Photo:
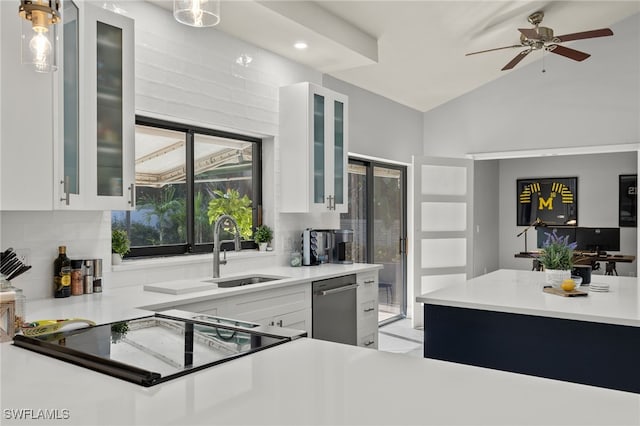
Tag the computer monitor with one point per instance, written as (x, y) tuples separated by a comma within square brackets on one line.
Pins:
[(598, 239), (561, 231)]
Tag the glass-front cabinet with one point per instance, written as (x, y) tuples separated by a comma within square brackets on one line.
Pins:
[(95, 152), (313, 149)]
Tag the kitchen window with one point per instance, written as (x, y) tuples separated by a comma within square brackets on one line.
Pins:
[(186, 177)]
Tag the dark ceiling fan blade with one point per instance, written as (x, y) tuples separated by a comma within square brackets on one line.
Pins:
[(491, 50), (517, 59), (603, 32), (576, 55), (529, 33)]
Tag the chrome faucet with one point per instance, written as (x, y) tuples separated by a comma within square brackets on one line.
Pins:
[(216, 242)]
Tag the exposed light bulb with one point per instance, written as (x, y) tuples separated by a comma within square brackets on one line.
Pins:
[(197, 13), (40, 47)]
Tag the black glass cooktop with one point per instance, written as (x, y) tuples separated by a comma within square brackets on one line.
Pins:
[(156, 348)]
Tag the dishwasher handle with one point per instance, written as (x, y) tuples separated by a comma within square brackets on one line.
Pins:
[(337, 290)]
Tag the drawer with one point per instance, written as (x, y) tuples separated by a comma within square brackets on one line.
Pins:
[(367, 285), (369, 340), (367, 312)]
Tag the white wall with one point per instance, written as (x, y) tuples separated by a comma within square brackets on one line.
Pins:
[(597, 199), (379, 127), (486, 241), (594, 102)]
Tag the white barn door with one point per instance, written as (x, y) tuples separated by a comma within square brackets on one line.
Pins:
[(443, 225)]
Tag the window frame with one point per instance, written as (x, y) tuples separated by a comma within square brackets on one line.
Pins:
[(190, 247)]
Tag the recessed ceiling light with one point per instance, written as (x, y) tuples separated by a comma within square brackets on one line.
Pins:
[(300, 45), (244, 60)]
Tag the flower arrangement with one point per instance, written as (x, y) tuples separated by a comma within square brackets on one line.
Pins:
[(557, 252)]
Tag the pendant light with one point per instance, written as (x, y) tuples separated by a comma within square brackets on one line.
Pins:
[(39, 37), (197, 13)]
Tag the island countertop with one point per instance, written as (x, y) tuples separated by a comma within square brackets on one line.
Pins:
[(520, 292)]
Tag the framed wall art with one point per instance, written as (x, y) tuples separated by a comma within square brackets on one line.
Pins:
[(627, 200), (552, 200)]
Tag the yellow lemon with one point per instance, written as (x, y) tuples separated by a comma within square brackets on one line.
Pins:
[(568, 284)]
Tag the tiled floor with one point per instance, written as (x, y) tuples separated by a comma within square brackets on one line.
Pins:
[(400, 337)]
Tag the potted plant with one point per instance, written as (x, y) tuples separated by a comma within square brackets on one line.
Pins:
[(263, 236), (119, 245), (557, 258)]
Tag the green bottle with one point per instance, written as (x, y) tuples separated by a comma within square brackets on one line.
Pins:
[(62, 274)]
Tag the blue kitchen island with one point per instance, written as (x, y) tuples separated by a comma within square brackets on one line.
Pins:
[(504, 321)]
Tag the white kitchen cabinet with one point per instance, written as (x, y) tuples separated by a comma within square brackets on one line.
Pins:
[(94, 144), (288, 307), (367, 305), (82, 115), (215, 307), (313, 149), (26, 170)]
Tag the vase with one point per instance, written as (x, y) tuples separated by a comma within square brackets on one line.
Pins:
[(116, 259), (554, 277), (263, 246)]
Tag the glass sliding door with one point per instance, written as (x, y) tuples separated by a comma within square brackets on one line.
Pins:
[(377, 214)]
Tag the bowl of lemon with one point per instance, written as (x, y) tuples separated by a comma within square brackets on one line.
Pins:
[(570, 284)]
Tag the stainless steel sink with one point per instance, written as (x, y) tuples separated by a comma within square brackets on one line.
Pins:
[(240, 281)]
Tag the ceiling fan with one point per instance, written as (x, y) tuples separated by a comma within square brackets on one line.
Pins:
[(538, 38)]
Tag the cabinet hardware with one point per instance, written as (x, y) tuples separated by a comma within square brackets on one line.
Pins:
[(279, 323), (369, 343), (271, 323), (67, 195), (132, 195), (331, 201), (370, 281), (370, 309), (338, 290)]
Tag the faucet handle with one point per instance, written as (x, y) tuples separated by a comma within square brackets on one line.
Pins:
[(224, 257)]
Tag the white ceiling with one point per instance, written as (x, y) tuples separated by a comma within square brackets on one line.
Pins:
[(412, 52)]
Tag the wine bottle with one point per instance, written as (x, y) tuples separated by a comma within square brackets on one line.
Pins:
[(62, 274)]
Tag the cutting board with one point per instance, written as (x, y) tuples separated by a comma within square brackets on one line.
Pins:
[(560, 292)]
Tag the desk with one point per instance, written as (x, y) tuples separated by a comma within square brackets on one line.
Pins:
[(581, 258)]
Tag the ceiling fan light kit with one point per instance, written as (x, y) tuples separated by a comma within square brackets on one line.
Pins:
[(539, 38)]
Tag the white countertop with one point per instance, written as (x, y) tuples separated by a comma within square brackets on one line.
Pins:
[(121, 303), (521, 292), (307, 382), (302, 382)]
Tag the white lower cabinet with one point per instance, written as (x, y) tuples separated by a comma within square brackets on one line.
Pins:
[(288, 307), (367, 305)]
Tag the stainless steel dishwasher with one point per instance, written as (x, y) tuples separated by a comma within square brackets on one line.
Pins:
[(334, 310)]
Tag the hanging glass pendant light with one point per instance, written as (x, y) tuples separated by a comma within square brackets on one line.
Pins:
[(39, 37), (197, 13)]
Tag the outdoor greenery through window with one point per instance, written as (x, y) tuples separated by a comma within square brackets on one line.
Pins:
[(186, 177)]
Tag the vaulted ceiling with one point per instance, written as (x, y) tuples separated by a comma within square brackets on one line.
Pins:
[(412, 52)]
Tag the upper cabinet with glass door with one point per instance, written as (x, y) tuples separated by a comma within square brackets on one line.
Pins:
[(95, 149), (313, 149)]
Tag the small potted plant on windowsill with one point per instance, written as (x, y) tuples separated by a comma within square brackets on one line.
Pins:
[(263, 236), (119, 245)]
